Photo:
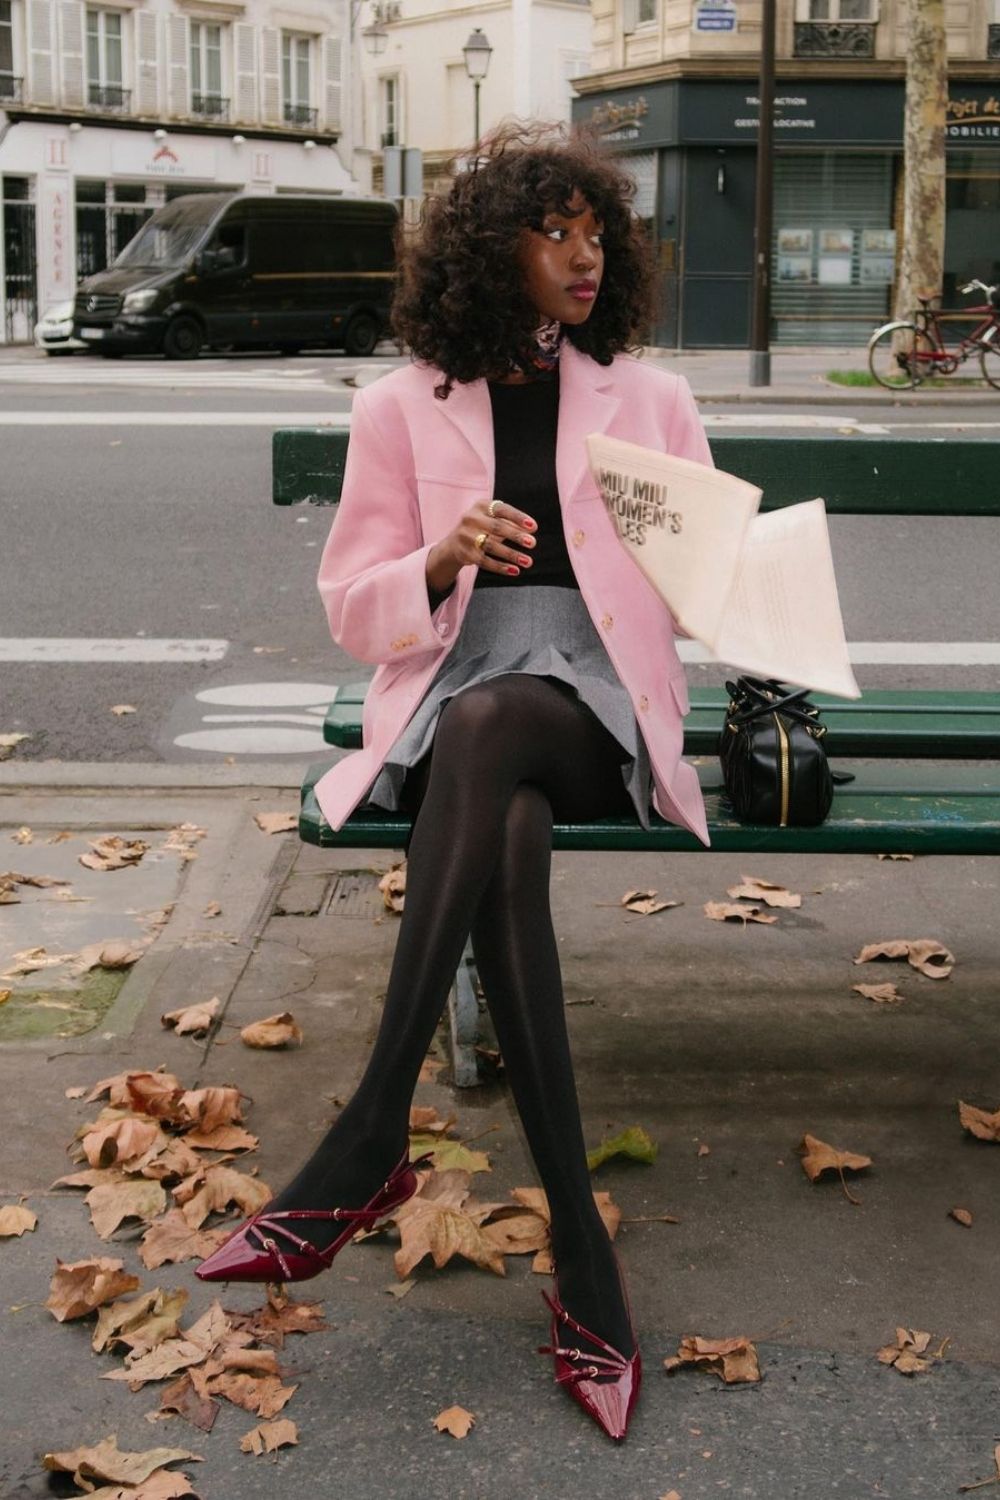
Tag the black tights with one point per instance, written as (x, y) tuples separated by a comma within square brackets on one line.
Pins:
[(508, 756)]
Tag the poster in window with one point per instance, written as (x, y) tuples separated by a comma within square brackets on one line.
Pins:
[(878, 256), (836, 249), (795, 241)]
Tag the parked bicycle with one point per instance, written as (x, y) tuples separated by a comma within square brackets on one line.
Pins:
[(902, 354)]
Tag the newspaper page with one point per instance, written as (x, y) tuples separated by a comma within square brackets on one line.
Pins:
[(758, 590)]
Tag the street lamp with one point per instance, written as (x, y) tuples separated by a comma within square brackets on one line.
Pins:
[(477, 53), (375, 38)]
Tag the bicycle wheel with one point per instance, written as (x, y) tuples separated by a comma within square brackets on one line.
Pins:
[(900, 356), (989, 363)]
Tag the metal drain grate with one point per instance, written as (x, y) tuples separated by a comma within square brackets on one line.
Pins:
[(356, 894)]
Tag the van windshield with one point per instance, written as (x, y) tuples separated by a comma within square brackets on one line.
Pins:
[(161, 245)]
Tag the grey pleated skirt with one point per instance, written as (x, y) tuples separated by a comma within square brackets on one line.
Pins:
[(546, 632)]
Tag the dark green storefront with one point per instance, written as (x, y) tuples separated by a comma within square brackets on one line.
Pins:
[(837, 201)]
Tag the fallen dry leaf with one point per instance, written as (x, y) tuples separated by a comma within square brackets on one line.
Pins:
[(926, 955), (818, 1157), (16, 1219), (121, 1140), (448, 1154), (277, 822), (906, 1354), (31, 960), (456, 1420), (106, 1463), (535, 1199), (264, 1395), (181, 840), (77, 1091), (222, 1138), (144, 1321), (114, 853), (22, 836), (268, 1436), (979, 1122), (646, 903), (733, 1360), (180, 1398), (280, 1030), (194, 1020), (393, 887), (896, 856), (280, 1316), (726, 911), (883, 994), (429, 1069), (112, 1202), (77, 1289), (218, 1104), (754, 888), (214, 1188), (671, 1495), (962, 1215), (399, 1289), (123, 708), (425, 1119), (442, 1220), (171, 1239), (213, 909), (110, 954)]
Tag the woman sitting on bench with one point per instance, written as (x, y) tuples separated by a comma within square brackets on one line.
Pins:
[(526, 672)]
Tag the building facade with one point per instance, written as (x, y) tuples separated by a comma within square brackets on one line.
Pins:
[(417, 92), (108, 109), (673, 86)]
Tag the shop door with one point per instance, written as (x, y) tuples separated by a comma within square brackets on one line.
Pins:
[(833, 253), (717, 266), (20, 289)]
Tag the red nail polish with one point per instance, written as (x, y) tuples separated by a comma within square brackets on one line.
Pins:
[(527, 521), (513, 571)]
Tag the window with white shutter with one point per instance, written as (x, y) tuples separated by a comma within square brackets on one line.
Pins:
[(10, 76), (333, 54), (296, 80), (270, 75), (104, 61), (71, 25), (178, 88), (207, 95), (147, 64), (41, 70), (245, 47)]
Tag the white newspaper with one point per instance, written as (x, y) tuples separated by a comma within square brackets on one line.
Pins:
[(758, 590)]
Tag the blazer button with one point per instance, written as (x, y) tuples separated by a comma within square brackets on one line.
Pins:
[(444, 628), (607, 621), (578, 538), (643, 703)]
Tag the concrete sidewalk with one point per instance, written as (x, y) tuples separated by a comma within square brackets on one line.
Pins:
[(707, 1034), (799, 377)]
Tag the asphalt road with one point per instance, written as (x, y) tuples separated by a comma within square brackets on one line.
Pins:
[(162, 530)]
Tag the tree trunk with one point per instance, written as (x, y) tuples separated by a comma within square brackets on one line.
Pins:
[(921, 265)]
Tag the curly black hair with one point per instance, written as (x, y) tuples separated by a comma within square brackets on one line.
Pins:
[(460, 304)]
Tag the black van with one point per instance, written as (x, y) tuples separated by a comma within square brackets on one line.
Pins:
[(235, 270)]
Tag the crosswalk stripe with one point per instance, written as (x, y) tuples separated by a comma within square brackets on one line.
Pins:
[(89, 649), (321, 417)]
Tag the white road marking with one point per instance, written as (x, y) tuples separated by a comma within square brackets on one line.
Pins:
[(318, 418), (316, 696), (87, 650), (266, 740), (892, 653)]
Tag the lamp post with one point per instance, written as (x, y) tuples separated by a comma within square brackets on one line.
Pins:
[(760, 326), (477, 53)]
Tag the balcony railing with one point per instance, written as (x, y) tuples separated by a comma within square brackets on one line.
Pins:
[(993, 41), (835, 39), (109, 97), (300, 114), (210, 106), (10, 88)]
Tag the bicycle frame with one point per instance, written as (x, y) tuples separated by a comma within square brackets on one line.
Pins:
[(929, 319)]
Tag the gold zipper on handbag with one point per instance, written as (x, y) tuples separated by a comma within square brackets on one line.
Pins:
[(785, 779)]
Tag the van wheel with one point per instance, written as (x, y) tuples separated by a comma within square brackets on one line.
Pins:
[(183, 338), (361, 335)]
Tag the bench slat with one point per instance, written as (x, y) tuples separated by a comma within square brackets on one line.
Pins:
[(863, 476), (893, 810), (942, 725)]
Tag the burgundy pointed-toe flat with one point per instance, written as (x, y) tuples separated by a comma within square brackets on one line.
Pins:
[(253, 1252), (606, 1385)]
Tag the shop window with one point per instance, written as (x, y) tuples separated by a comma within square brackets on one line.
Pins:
[(389, 111), (108, 216), (206, 70), (296, 82), (104, 61)]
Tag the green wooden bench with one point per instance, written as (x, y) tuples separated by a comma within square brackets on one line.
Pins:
[(901, 804)]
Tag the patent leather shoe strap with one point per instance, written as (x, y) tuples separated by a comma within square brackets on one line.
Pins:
[(612, 1358), (584, 1366)]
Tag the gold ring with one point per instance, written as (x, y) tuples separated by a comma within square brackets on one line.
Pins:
[(492, 507), (481, 540)]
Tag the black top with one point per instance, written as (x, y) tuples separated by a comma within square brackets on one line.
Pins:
[(525, 418)]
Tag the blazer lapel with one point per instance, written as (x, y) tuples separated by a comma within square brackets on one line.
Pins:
[(468, 410), (586, 404)]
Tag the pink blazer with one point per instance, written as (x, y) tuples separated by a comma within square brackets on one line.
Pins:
[(414, 466)]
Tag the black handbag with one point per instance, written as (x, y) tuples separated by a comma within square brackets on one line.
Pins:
[(774, 762)]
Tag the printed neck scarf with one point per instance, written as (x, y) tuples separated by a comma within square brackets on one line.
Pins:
[(542, 355)]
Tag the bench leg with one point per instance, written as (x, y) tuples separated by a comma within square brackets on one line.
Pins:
[(463, 1018)]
